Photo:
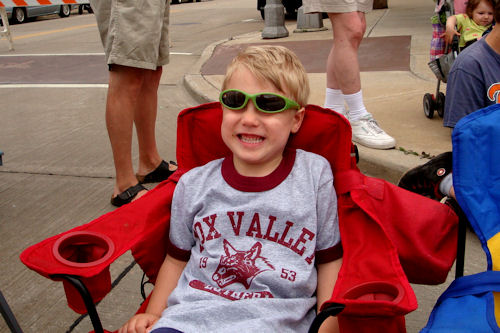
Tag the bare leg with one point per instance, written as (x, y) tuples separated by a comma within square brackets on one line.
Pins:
[(122, 100), (342, 69), (342, 73), (145, 121)]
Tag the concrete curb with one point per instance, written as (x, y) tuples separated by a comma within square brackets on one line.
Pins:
[(199, 88), (388, 164)]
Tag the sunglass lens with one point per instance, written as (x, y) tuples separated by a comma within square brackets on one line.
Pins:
[(270, 102), (233, 99)]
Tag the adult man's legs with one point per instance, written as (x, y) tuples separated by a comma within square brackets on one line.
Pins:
[(342, 68), (129, 99), (344, 82), (145, 121)]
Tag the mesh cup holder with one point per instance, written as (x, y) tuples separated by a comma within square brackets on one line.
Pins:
[(376, 291), (82, 249)]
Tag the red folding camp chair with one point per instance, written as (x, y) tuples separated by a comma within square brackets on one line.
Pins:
[(390, 236)]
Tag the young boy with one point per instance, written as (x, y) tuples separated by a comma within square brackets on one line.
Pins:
[(253, 236)]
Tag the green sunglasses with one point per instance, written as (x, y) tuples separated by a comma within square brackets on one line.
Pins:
[(235, 99)]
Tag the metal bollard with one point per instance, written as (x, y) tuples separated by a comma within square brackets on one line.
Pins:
[(274, 13), (309, 22)]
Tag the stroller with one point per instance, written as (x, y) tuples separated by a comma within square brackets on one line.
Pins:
[(441, 58), (376, 220)]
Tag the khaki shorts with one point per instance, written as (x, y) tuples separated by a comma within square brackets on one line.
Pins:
[(134, 33), (337, 6)]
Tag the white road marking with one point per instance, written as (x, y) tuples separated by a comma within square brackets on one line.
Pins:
[(53, 85), (71, 54), (50, 55)]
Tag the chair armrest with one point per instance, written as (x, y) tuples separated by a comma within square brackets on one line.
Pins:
[(63, 257), (125, 227)]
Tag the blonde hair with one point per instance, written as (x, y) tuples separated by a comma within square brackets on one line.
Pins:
[(277, 65)]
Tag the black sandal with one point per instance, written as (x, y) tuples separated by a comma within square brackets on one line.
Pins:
[(127, 196), (159, 174)]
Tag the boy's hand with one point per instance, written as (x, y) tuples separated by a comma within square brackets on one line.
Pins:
[(140, 323)]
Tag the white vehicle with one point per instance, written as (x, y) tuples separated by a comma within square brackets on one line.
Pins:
[(22, 14)]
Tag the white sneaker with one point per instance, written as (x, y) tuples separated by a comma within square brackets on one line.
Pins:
[(367, 132)]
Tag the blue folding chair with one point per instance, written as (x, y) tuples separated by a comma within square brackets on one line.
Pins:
[(472, 303)]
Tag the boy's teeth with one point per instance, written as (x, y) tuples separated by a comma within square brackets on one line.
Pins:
[(251, 139)]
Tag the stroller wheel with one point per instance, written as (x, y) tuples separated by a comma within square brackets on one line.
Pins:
[(429, 105), (440, 104)]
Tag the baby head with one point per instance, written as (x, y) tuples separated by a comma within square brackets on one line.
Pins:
[(480, 11)]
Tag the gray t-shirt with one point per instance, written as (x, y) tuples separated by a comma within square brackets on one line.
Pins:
[(251, 245)]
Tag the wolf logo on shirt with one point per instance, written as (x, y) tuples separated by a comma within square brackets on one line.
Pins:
[(240, 266)]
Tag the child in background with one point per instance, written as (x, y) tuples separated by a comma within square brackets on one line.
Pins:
[(254, 243), (471, 25)]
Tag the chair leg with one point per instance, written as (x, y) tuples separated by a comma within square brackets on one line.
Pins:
[(87, 298), (462, 231), (9, 316)]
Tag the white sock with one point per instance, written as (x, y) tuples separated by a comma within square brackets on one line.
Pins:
[(356, 106), (445, 184), (334, 99)]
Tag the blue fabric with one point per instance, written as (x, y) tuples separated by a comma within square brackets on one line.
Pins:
[(476, 171), (466, 306)]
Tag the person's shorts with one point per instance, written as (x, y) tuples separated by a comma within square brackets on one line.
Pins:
[(337, 6), (134, 33)]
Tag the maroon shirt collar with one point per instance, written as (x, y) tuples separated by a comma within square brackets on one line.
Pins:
[(258, 184)]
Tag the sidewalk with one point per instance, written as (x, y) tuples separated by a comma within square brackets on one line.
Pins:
[(394, 78)]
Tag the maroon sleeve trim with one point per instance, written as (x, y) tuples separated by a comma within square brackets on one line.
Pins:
[(177, 253), (327, 255)]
